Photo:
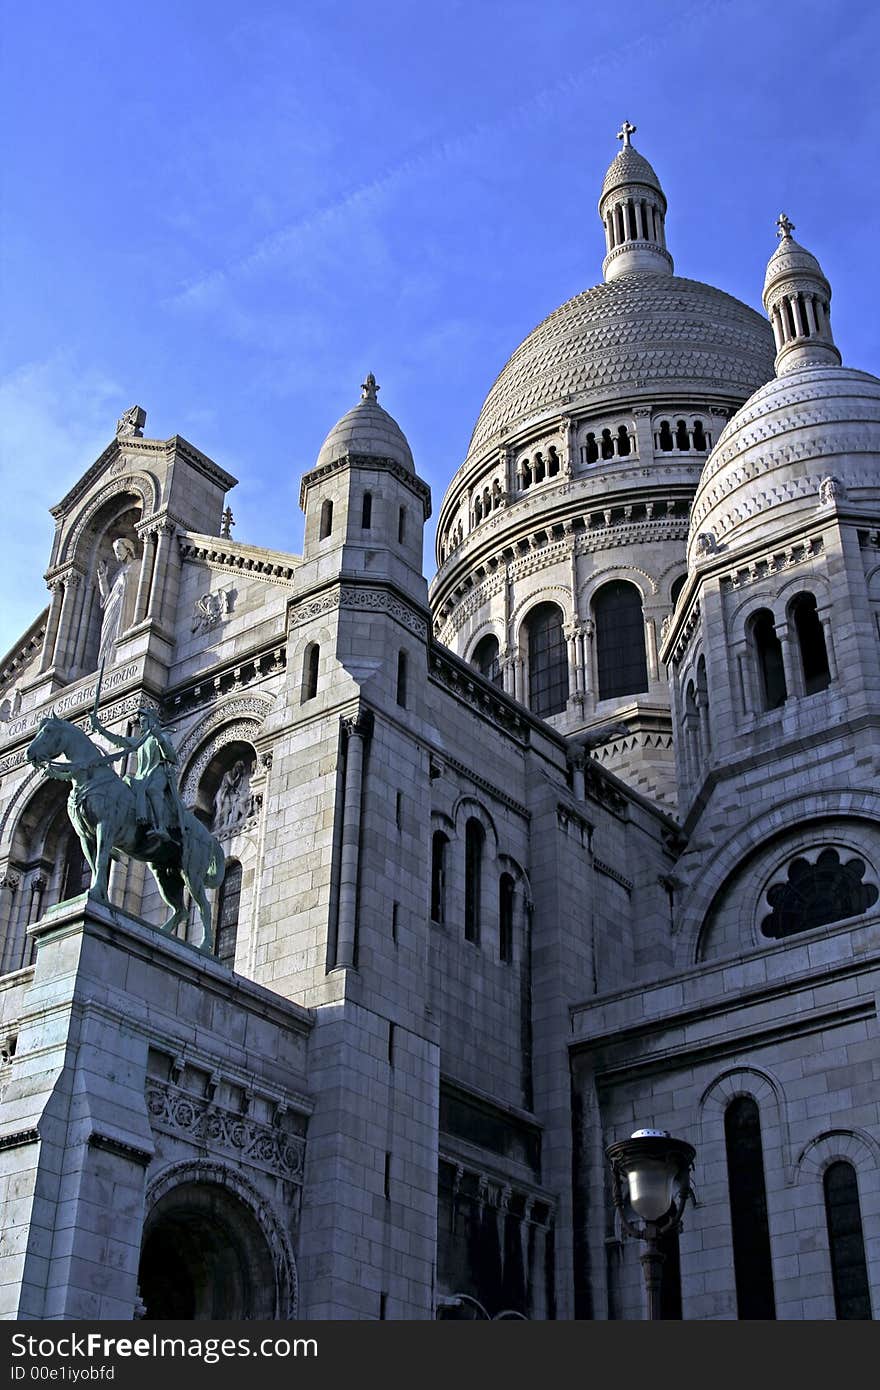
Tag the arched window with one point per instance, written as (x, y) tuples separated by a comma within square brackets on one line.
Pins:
[(811, 643), (552, 462), (311, 660), (526, 470), (75, 873), (474, 841), (700, 436), (505, 917), (539, 468), (620, 640), (367, 511), (591, 449), (486, 659), (677, 587), (227, 913), (548, 661), (666, 441), (768, 653), (326, 519), (439, 842), (681, 436), (622, 441), (748, 1210), (401, 525), (607, 445), (815, 895), (849, 1270), (401, 678)]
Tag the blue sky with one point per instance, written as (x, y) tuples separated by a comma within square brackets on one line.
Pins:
[(229, 214)]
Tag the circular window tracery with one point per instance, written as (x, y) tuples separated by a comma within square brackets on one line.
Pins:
[(815, 893)]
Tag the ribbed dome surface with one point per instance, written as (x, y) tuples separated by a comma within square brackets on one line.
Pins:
[(638, 335), (807, 423), (629, 167), (367, 429)]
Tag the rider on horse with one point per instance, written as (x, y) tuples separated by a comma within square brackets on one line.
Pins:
[(154, 783)]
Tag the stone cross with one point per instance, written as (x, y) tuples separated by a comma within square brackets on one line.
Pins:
[(369, 388), (626, 130), (784, 226), (131, 423)]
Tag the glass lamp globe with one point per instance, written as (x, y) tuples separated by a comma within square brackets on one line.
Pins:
[(653, 1163)]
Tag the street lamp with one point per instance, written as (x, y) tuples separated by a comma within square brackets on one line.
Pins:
[(461, 1300), (650, 1181)]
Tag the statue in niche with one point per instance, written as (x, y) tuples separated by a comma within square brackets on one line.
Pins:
[(831, 490), (232, 802), (113, 597)]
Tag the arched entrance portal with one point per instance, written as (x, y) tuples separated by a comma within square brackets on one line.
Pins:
[(207, 1255)]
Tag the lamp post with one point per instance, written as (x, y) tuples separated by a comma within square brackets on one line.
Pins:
[(461, 1300), (650, 1180)]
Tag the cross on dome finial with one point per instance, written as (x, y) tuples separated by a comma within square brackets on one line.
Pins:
[(784, 225), (369, 388), (626, 130)]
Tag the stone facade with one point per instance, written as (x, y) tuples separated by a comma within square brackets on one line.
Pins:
[(584, 840)]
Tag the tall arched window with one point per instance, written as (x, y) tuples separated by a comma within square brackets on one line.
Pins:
[(228, 912), (401, 678), (811, 643), (439, 842), (326, 519), (748, 1210), (311, 661), (367, 511), (849, 1270), (620, 640), (474, 841), (548, 661), (401, 525), (768, 654), (677, 586), (75, 873), (486, 658), (505, 917)]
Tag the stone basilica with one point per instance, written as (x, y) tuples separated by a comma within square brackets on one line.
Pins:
[(582, 839)]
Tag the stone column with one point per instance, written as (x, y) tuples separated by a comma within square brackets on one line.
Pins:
[(357, 732), (794, 684), (588, 629), (165, 531), (83, 624), (518, 679), (56, 588), (651, 649), (66, 625), (148, 557), (9, 883), (824, 616), (507, 661)]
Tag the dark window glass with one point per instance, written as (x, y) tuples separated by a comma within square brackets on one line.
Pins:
[(473, 878), (227, 914), (548, 661), (811, 642), (591, 449), (620, 640), (768, 650), (401, 525), (816, 894), (666, 440), (438, 876), (75, 873), (505, 917), (849, 1271), (487, 661), (367, 512), (748, 1211), (677, 588), (310, 671), (326, 519), (401, 678)]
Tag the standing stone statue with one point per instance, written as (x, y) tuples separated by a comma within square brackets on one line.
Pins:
[(113, 597)]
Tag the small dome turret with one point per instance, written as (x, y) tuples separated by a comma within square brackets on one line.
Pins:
[(368, 431), (633, 209), (797, 298)]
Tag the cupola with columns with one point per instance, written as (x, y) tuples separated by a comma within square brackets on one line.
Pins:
[(797, 298), (633, 212)]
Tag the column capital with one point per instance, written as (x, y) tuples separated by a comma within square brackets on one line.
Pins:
[(359, 725)]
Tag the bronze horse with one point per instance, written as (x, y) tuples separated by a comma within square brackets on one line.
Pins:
[(101, 807)]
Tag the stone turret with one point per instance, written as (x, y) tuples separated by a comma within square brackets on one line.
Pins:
[(633, 211), (797, 298)]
